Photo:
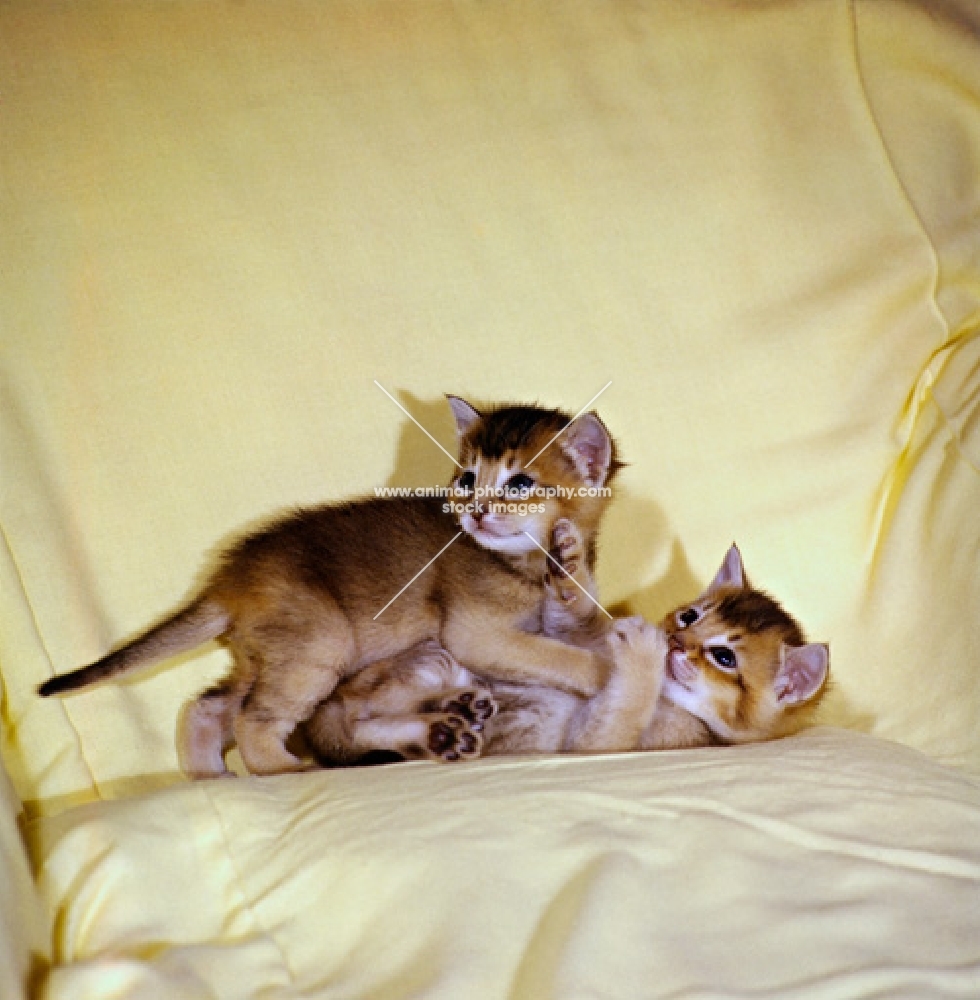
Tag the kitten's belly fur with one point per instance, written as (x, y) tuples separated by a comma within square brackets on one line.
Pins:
[(533, 720), (530, 719)]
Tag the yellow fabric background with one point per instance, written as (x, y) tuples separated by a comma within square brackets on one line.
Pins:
[(221, 222), (224, 221)]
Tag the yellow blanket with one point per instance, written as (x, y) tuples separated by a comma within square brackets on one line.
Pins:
[(737, 872)]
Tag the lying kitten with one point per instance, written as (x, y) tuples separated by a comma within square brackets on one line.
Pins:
[(739, 664), (732, 667), (299, 603)]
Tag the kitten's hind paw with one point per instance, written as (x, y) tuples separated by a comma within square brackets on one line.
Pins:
[(456, 723), (476, 705), (452, 738)]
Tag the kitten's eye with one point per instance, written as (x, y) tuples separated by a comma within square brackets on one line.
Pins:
[(688, 617), (519, 483), (723, 656), (467, 480)]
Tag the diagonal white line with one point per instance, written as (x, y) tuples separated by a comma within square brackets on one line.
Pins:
[(417, 575), (551, 558), (417, 424), (569, 424)]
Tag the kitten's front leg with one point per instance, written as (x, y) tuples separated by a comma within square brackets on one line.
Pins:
[(570, 592), (495, 648), (615, 719)]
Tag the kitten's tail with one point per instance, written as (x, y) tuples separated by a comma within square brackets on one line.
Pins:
[(193, 625)]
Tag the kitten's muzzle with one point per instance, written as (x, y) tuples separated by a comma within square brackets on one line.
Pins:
[(489, 526), (678, 667)]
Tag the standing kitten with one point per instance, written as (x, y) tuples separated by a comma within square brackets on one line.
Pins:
[(732, 667), (307, 601)]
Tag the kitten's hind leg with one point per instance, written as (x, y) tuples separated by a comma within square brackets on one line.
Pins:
[(205, 730), (296, 672), (271, 713), (445, 736), (417, 681), (206, 726), (447, 727)]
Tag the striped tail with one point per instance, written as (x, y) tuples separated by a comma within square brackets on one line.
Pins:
[(198, 623)]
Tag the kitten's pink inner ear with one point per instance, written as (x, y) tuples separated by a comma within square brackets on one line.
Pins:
[(802, 674), (466, 415), (588, 445), (731, 573)]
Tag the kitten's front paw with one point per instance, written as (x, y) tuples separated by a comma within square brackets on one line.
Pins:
[(635, 640), (567, 549)]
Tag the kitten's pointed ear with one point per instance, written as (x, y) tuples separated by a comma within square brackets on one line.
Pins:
[(466, 415), (802, 674), (731, 573), (588, 444)]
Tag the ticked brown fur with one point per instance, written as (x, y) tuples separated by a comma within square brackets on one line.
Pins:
[(307, 601)]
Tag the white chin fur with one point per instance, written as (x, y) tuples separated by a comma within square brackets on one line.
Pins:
[(690, 701), (511, 544), (516, 543), (693, 702)]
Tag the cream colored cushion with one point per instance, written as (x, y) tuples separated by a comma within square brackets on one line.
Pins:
[(24, 937), (225, 221), (721, 873)]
